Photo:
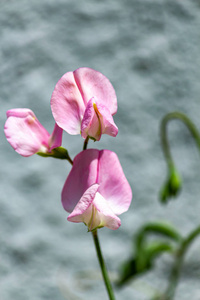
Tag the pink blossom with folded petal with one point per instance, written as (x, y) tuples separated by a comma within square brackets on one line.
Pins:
[(84, 101), (96, 190), (26, 134)]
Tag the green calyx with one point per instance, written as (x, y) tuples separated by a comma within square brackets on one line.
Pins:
[(59, 152)]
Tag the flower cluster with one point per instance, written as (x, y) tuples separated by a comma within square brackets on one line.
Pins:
[(83, 102)]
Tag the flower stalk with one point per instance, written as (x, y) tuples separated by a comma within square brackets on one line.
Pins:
[(172, 186), (103, 266), (86, 143), (163, 133)]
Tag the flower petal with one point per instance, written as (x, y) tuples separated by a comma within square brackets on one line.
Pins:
[(82, 211), (114, 186), (55, 139), (103, 167), (82, 175), (91, 124), (72, 94), (25, 133), (107, 123), (67, 104), (97, 120), (92, 83), (105, 214), (93, 210)]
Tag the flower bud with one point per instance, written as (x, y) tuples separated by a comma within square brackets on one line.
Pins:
[(172, 186)]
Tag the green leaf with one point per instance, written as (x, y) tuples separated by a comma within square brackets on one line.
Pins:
[(162, 229), (128, 271), (143, 262), (146, 252)]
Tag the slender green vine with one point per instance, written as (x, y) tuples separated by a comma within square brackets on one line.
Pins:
[(103, 266)]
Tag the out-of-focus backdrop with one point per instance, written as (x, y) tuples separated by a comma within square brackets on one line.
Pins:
[(150, 51)]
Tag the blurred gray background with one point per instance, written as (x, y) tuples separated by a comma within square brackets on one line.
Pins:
[(150, 51)]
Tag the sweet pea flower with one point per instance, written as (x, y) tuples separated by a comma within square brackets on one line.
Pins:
[(84, 101), (96, 190), (26, 134)]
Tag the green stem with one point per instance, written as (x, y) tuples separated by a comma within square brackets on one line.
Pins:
[(103, 266), (163, 133), (176, 270), (70, 160), (85, 143)]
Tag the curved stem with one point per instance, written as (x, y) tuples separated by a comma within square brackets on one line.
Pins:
[(176, 270), (70, 160), (163, 133), (175, 273), (103, 266), (85, 143)]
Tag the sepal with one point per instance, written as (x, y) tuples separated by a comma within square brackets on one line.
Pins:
[(59, 152)]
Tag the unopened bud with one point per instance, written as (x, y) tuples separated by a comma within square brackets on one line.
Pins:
[(172, 186)]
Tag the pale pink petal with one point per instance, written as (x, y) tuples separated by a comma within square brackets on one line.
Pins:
[(107, 123), (92, 83), (25, 133), (83, 174), (93, 210), (96, 190), (67, 104), (87, 119), (82, 211), (97, 120), (114, 186), (55, 139), (105, 214), (91, 125)]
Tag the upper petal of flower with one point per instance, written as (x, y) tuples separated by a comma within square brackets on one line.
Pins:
[(67, 104), (97, 120), (72, 94), (107, 123), (91, 124), (92, 83)]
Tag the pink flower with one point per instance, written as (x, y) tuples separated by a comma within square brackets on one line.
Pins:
[(84, 101), (27, 136), (96, 190)]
